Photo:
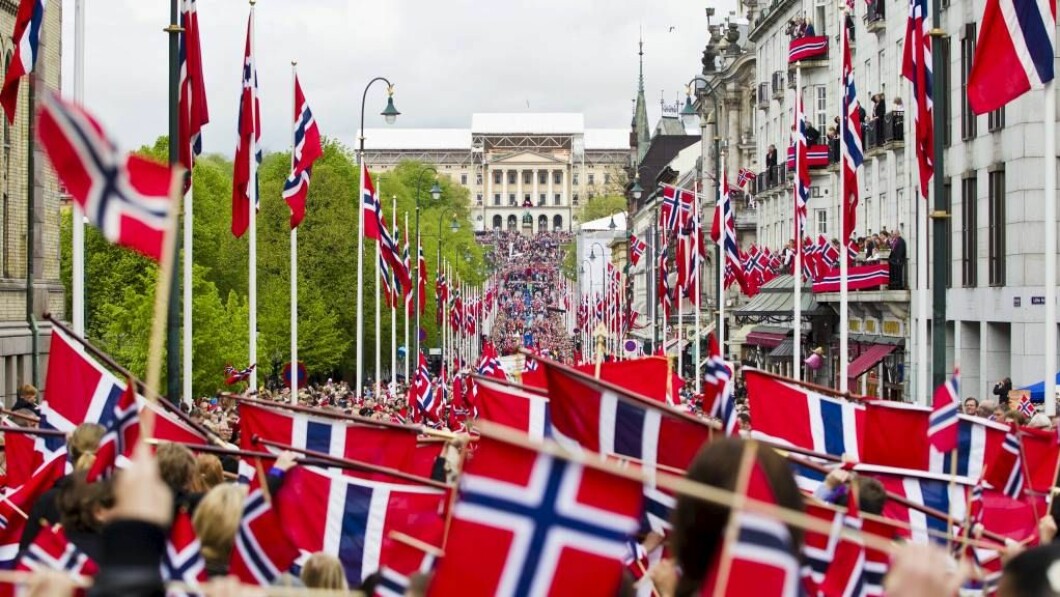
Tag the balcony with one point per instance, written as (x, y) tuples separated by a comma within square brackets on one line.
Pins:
[(770, 179), (763, 96), (808, 51), (778, 85), (875, 16), (817, 156), (886, 132)]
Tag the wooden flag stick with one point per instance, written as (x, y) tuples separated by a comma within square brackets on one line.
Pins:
[(425, 547), (732, 529), (162, 290), (953, 483)]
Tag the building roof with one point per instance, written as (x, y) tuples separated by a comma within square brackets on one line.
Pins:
[(537, 123), (607, 139), (428, 139)]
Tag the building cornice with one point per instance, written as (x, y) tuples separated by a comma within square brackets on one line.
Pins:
[(769, 16)]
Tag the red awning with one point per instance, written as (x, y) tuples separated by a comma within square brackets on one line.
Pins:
[(765, 339), (869, 358)]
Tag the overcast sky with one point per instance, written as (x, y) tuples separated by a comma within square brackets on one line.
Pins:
[(447, 58)]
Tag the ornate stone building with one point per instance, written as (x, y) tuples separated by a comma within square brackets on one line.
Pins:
[(29, 236), (541, 164)]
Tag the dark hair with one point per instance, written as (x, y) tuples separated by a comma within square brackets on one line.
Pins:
[(699, 526), (1026, 575), (871, 495), (176, 465), (78, 500)]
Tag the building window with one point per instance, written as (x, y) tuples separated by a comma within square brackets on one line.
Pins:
[(542, 223), (4, 245), (607, 178), (968, 118), (968, 231), (497, 176), (496, 198), (542, 199), (528, 177), (574, 199), (821, 217), (821, 107), (463, 179), (478, 178), (946, 107), (511, 177), (526, 199), (497, 222), (542, 177), (511, 199), (947, 190), (557, 223), (995, 121), (478, 198), (575, 179), (557, 177), (592, 180), (511, 222), (558, 199), (996, 228)]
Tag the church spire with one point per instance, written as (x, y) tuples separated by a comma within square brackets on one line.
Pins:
[(641, 132)]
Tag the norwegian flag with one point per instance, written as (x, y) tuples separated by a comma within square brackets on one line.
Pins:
[(262, 550), (403, 560), (665, 293), (670, 212), (942, 425), (51, 550), (1025, 407), (406, 260), (924, 489), (761, 557), (846, 576), (23, 457), (637, 247), (307, 149), (391, 293), (26, 39), (193, 113), (547, 520), (853, 155), (744, 176), (12, 522), (183, 562), (1006, 472), (126, 196), (717, 378), (425, 397), (827, 255), (370, 206), (916, 66), (121, 436), (248, 153), (1014, 53), (724, 233), (802, 168), (514, 406), (352, 518), (234, 376), (489, 365), (421, 273)]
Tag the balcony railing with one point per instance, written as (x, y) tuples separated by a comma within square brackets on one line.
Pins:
[(881, 131), (875, 15), (778, 84)]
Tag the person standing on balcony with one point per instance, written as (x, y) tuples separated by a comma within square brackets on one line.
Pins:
[(896, 261), (809, 32)]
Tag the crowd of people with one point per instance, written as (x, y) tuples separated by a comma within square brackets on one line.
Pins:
[(530, 300)]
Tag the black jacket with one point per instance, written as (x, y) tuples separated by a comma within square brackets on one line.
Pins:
[(897, 256), (44, 508), (22, 403), (130, 561)]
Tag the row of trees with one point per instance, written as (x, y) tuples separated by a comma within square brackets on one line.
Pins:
[(120, 284)]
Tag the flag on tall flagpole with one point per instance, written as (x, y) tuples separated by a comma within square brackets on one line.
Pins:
[(853, 155), (916, 66), (802, 176), (126, 196), (307, 149), (942, 423), (26, 39), (193, 112), (248, 153), (421, 273), (406, 259), (1014, 52)]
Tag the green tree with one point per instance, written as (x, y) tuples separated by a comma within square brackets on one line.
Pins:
[(601, 206)]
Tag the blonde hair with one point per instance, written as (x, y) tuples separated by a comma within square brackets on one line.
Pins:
[(208, 473), (323, 571), (83, 443), (216, 521)]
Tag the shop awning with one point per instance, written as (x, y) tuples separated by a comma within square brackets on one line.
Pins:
[(869, 358), (784, 350), (767, 336)]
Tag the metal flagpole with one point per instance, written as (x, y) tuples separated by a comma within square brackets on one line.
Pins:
[(413, 292), (679, 328), (844, 266), (393, 312), (923, 312), (796, 277), (362, 170), (376, 339), (252, 188), (1050, 248), (78, 221), (294, 250), (723, 202)]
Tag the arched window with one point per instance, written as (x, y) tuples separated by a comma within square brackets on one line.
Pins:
[(512, 222), (557, 223), (497, 222), (542, 223)]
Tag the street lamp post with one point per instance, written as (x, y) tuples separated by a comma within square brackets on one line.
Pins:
[(604, 279), (592, 305), (436, 193), (390, 114)]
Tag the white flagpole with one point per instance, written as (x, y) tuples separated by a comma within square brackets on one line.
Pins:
[(294, 252), (78, 216), (796, 342), (359, 390), (377, 340), (923, 313), (252, 188), (413, 291), (844, 266), (393, 313), (680, 328), (1050, 248), (721, 270)]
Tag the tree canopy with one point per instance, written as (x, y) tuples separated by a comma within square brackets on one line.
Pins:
[(120, 284)]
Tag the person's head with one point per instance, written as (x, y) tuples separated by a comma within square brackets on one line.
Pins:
[(83, 443), (216, 521), (698, 526), (83, 506), (324, 571), (176, 464), (744, 420), (986, 409), (871, 495), (1029, 574), (28, 393), (1039, 421), (971, 406), (208, 473), (1015, 417)]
